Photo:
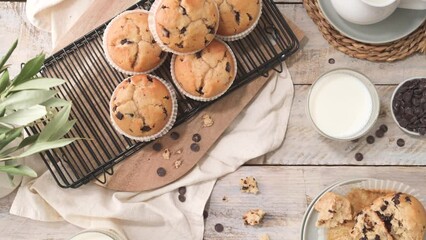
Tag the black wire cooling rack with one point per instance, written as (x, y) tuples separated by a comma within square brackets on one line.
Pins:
[(91, 80)]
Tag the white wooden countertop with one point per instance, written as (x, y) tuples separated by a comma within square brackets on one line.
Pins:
[(289, 177)]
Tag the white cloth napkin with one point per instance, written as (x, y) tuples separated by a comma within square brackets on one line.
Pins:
[(157, 214), (259, 129)]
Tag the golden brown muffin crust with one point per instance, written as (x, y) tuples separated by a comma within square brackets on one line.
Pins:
[(130, 44), (186, 25), (206, 73), (236, 16), (141, 106)]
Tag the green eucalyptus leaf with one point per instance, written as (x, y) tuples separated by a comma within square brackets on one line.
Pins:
[(38, 83), (55, 102), (4, 81), (28, 141), (4, 68), (9, 52), (18, 170), (7, 151), (55, 124), (43, 146), (63, 130), (31, 68), (10, 136), (26, 99), (25, 116), (4, 129)]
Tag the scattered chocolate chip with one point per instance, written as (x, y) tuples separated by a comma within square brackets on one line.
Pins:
[(174, 135), (146, 129), (166, 33), (205, 214), (161, 172), (119, 115), (196, 137), (182, 198), (157, 146), (249, 17), (370, 139), (379, 133), (218, 227), (384, 128), (331, 61), (359, 157), (182, 190), (198, 54), (195, 147), (183, 30), (400, 142), (228, 67)]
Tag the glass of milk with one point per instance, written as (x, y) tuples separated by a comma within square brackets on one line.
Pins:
[(343, 104), (98, 234)]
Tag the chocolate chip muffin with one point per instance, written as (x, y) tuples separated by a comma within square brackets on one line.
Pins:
[(143, 107), (369, 226), (129, 45), (237, 18), (184, 26), (403, 215), (333, 210), (207, 74)]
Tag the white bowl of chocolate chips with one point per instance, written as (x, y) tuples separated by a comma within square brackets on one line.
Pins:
[(408, 106)]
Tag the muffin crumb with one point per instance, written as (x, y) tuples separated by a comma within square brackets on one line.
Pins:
[(249, 185), (178, 163), (253, 217), (264, 237), (207, 121), (166, 154)]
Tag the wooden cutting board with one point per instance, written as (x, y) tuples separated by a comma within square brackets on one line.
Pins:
[(153, 167)]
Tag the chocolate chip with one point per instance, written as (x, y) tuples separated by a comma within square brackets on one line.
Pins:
[(383, 207), (228, 67), (183, 30), (123, 41), (153, 41), (149, 78), (359, 157), (183, 10), (119, 115), (161, 172), (195, 147), (163, 6), (182, 198), (196, 137), (377, 237), (395, 199), (157, 146), (174, 135), (407, 199), (370, 139), (200, 91), (114, 108), (400, 142), (249, 17), (331, 211), (331, 61), (182, 190), (179, 45), (205, 214), (237, 17), (166, 33), (218, 227), (380, 133), (384, 128), (146, 129), (198, 54), (211, 29)]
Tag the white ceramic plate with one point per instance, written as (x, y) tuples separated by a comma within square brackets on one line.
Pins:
[(400, 24)]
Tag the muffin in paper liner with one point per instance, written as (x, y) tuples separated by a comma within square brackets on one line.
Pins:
[(198, 98), (372, 184), (167, 126), (107, 53), (230, 38), (153, 28)]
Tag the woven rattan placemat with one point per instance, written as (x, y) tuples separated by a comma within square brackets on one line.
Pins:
[(389, 52)]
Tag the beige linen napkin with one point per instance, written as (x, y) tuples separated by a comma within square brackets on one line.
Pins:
[(156, 214), (259, 129)]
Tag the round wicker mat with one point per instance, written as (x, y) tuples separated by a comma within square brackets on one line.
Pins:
[(389, 52)]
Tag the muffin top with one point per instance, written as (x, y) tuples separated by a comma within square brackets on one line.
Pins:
[(236, 16), (186, 26), (130, 44), (141, 106), (206, 73)]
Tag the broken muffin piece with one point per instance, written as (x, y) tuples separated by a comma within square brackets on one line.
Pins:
[(249, 185), (369, 226), (253, 217), (333, 210)]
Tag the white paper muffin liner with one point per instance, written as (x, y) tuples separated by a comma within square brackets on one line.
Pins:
[(198, 98), (244, 33), (152, 28), (373, 184), (105, 47), (165, 129)]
